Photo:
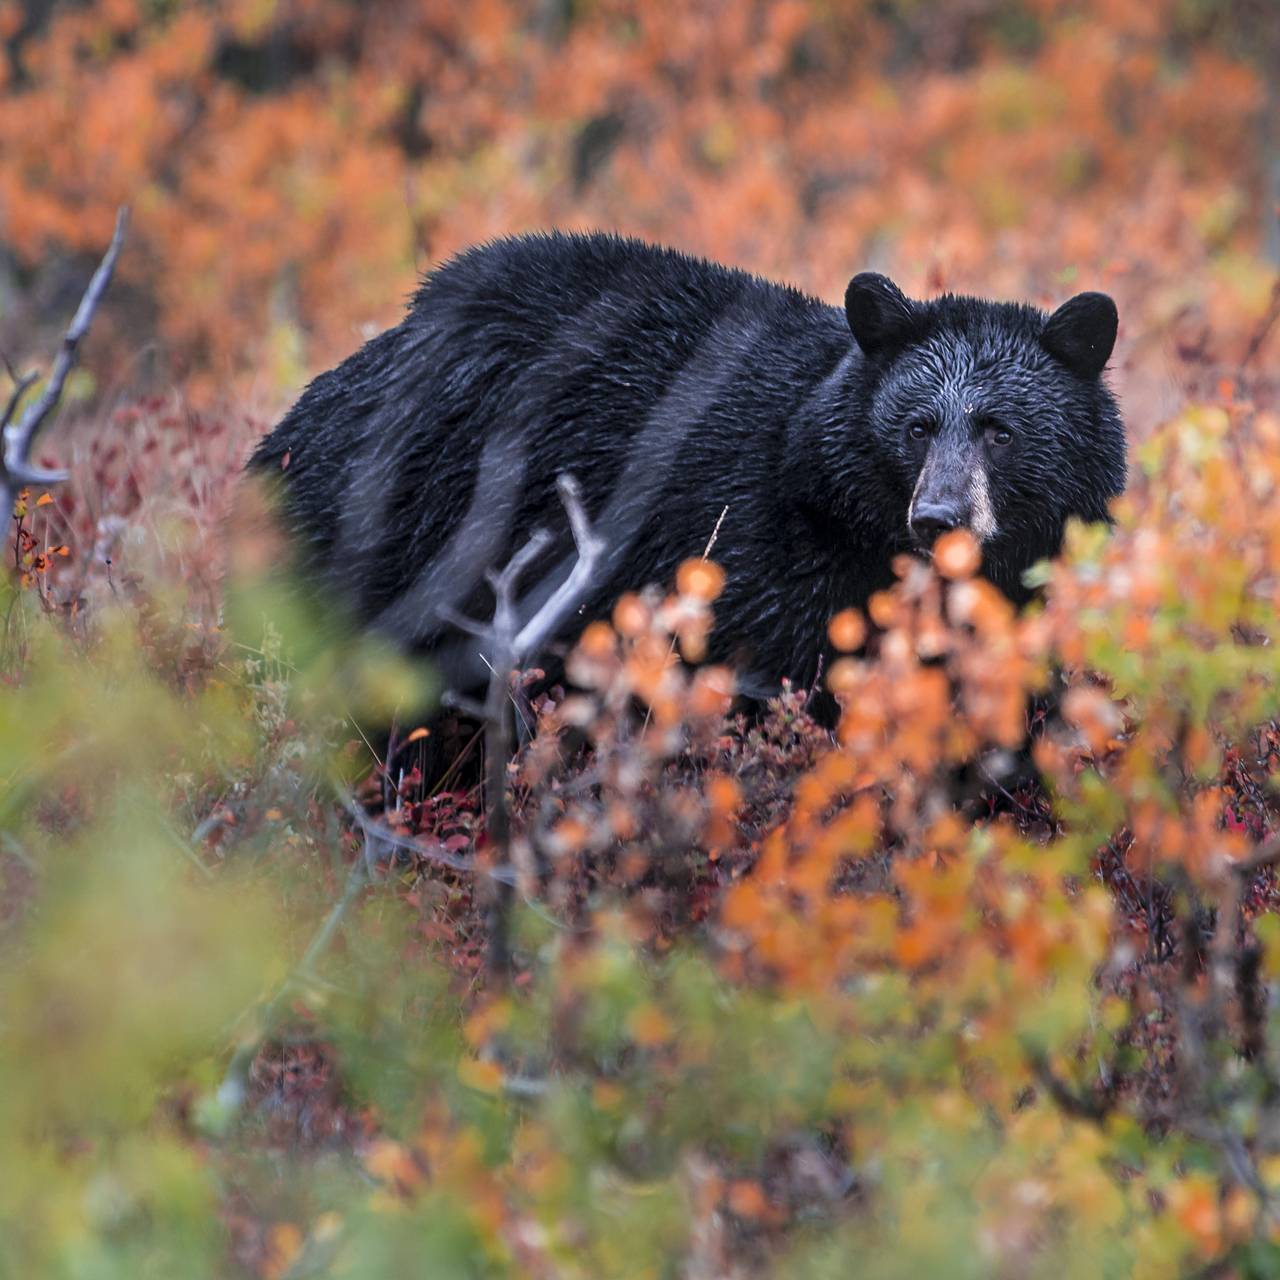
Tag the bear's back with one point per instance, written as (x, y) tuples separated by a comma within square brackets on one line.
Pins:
[(663, 382)]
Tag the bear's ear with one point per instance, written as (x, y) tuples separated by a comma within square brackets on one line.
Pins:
[(880, 315), (1082, 332)]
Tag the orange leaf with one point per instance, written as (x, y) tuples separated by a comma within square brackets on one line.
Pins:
[(701, 579), (597, 640), (1195, 1205), (847, 630), (571, 834), (648, 1026), (284, 1244), (631, 615), (747, 1199), (957, 554), (607, 1096)]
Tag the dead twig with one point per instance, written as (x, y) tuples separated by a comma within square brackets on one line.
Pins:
[(16, 467), (568, 595), (379, 841), (511, 645), (1208, 1119), (432, 851), (1080, 1106), (235, 1082), (1267, 854), (706, 555), (1263, 329)]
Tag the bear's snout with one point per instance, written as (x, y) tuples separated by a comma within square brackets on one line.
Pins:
[(930, 520)]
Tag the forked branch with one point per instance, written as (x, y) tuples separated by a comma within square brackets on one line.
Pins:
[(568, 595), (510, 647), (16, 467)]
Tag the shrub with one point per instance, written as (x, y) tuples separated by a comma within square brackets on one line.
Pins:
[(776, 1001)]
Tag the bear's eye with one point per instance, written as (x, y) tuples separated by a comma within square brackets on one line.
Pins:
[(997, 433), (920, 429)]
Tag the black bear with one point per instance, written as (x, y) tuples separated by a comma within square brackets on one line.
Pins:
[(684, 395)]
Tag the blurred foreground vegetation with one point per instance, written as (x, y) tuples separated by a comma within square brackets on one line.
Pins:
[(784, 1002), (777, 1003)]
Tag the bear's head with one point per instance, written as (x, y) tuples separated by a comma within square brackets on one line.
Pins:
[(992, 416)]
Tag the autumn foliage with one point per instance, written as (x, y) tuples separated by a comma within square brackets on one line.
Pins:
[(977, 982), (292, 162)]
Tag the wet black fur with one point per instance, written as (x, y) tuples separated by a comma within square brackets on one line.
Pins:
[(674, 388)]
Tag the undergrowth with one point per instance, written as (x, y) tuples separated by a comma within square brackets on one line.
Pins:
[(977, 982)]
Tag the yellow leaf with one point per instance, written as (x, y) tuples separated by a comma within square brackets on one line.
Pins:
[(284, 1243), (392, 1162), (484, 1077)]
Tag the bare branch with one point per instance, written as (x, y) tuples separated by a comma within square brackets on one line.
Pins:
[(1207, 1120), (378, 839), (377, 833), (509, 578), (510, 645), (235, 1083), (16, 467), (468, 626), (20, 384), (1082, 1107), (1263, 329), (1203, 1020), (1267, 854), (460, 702), (568, 595)]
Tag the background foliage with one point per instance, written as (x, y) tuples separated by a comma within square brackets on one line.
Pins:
[(292, 162), (782, 998)]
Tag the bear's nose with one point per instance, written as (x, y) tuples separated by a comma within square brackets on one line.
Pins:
[(932, 519)]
